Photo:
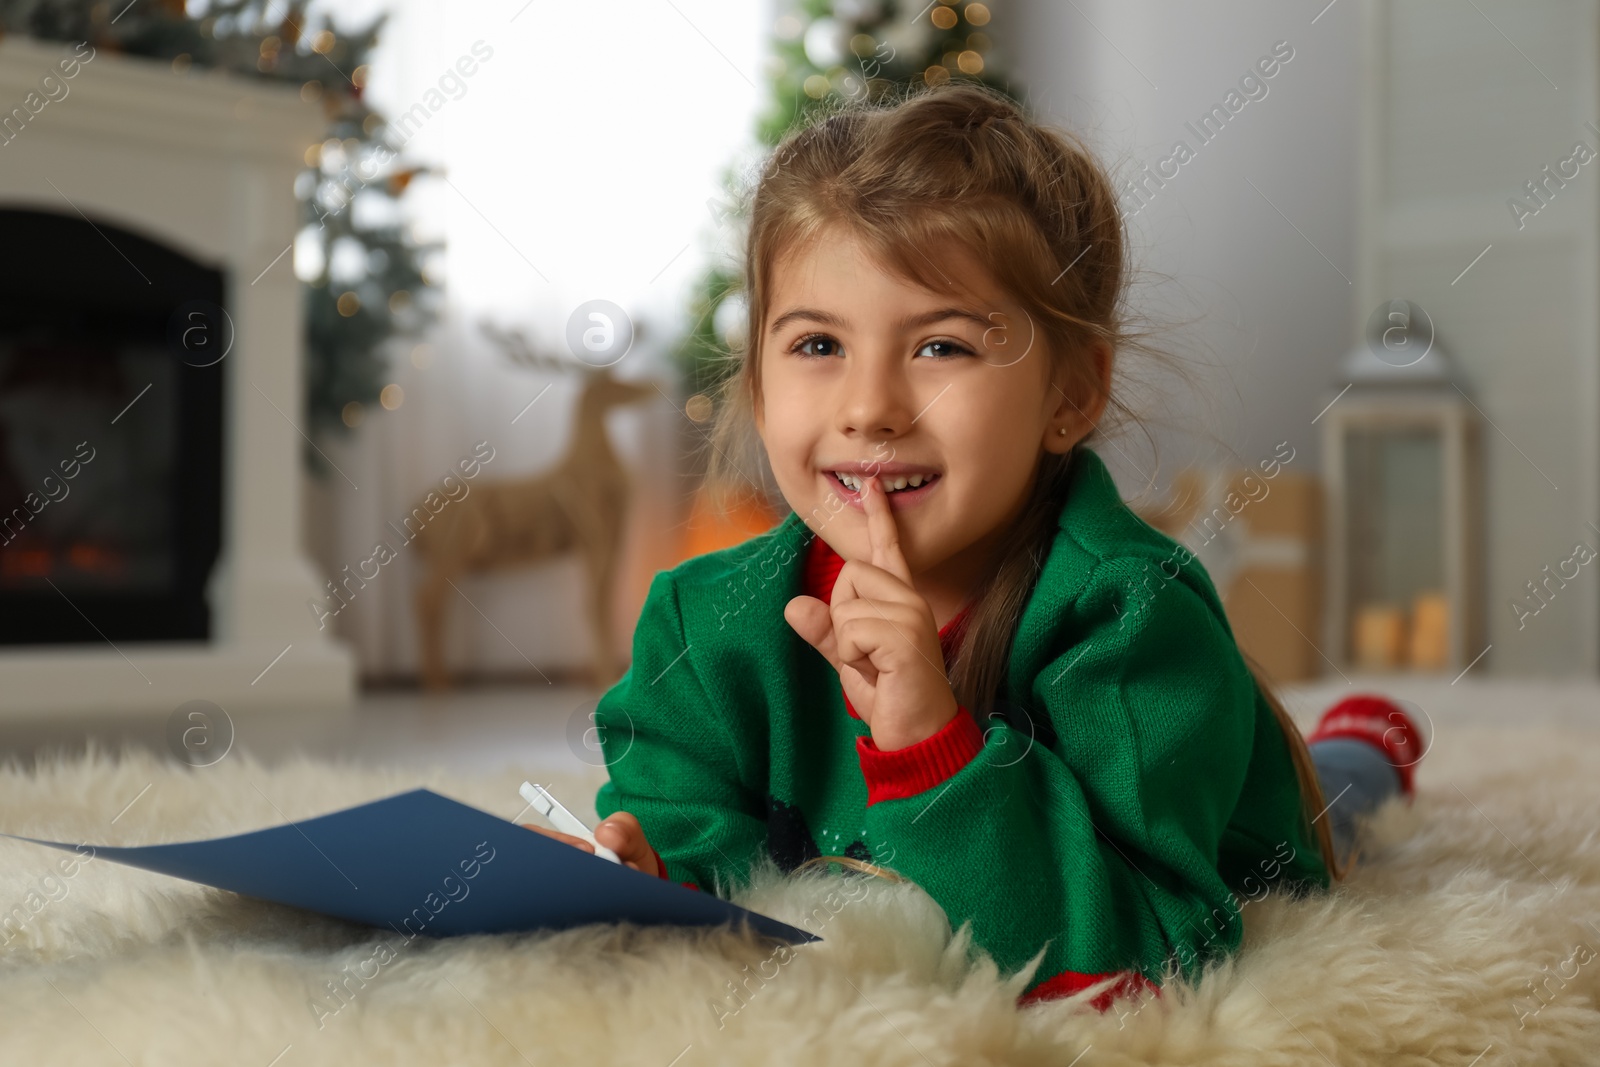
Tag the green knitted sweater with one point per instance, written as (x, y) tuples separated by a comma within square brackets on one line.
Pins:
[(1131, 780)]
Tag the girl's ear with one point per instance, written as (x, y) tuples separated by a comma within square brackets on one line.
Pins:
[(1079, 414)]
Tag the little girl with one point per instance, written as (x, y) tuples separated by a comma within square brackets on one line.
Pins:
[(961, 659)]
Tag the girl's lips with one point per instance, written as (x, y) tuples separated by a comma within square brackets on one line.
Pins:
[(898, 500)]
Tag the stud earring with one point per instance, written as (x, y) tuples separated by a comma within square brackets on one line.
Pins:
[(1062, 430)]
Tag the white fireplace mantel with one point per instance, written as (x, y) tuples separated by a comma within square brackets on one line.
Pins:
[(203, 162)]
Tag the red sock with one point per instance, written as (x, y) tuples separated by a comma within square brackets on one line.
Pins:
[(1380, 722)]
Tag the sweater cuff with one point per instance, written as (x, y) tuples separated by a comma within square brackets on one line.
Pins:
[(1069, 982), (661, 869), (905, 772)]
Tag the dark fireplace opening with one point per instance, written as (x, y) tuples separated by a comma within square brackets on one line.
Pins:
[(112, 364)]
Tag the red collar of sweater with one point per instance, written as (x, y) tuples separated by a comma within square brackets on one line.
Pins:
[(822, 571)]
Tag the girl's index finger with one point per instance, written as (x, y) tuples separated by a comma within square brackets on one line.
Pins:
[(884, 532)]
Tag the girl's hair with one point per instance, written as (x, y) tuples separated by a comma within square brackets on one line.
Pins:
[(961, 165)]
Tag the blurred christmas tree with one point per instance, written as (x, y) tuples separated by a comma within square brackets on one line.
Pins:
[(826, 54), (368, 284)]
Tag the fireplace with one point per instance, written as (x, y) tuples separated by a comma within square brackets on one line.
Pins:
[(151, 341), (111, 389)]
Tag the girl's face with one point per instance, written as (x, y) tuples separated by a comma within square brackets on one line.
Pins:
[(864, 371)]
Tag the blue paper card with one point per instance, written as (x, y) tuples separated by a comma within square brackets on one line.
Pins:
[(419, 862)]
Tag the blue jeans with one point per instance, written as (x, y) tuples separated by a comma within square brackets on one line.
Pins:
[(1356, 778)]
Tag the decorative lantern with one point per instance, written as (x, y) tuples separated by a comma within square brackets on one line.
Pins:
[(1401, 458)]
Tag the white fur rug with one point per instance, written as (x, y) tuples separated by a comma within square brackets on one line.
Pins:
[(1473, 937)]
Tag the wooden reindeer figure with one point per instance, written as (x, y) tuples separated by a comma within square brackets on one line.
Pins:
[(578, 505)]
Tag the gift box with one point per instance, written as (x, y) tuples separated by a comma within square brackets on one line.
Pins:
[(1258, 536)]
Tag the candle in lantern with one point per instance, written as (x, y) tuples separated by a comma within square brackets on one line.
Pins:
[(1430, 632), (1379, 637)]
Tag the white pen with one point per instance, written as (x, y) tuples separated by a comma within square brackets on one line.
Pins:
[(551, 808)]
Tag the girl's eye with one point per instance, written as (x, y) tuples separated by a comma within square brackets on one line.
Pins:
[(801, 345), (952, 348)]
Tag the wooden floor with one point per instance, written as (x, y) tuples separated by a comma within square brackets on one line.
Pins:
[(472, 728)]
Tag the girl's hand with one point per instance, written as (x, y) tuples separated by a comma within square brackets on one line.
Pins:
[(621, 833), (880, 635)]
